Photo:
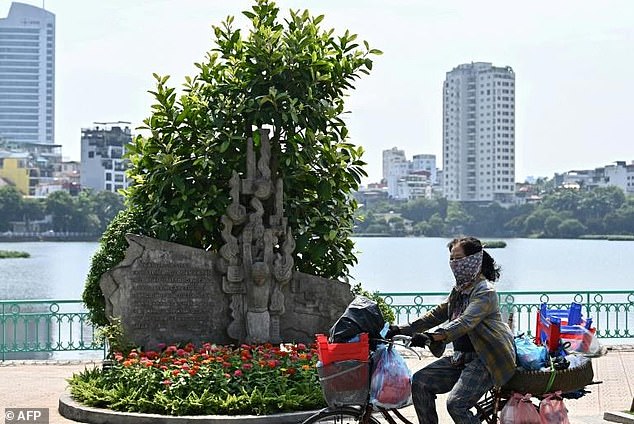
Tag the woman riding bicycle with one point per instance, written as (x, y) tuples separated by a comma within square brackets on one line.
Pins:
[(484, 355)]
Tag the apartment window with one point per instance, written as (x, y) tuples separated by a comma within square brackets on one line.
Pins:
[(91, 154), (108, 175)]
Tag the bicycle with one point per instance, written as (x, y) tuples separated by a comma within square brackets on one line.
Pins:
[(361, 411)]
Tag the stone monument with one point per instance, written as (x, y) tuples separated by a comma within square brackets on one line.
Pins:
[(247, 292)]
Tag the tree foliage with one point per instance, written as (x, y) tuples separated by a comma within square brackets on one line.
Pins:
[(88, 212), (290, 78), (562, 213), (10, 206)]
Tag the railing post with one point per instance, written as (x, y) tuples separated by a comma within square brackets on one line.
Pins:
[(4, 335)]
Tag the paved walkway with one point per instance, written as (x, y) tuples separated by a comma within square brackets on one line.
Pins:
[(31, 384), (616, 370)]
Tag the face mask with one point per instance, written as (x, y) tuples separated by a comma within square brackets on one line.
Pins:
[(466, 269)]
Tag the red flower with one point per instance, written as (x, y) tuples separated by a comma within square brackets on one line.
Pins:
[(247, 366), (192, 372), (176, 372), (227, 375), (301, 346), (272, 363), (166, 382), (237, 373), (150, 354)]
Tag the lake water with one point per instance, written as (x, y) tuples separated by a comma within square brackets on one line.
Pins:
[(58, 270)]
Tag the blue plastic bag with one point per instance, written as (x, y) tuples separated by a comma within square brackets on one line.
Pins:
[(391, 384), (529, 355)]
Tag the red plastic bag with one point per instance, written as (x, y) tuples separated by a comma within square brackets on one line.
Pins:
[(391, 384), (520, 410), (552, 409)]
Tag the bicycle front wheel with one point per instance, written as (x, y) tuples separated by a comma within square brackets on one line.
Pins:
[(342, 415)]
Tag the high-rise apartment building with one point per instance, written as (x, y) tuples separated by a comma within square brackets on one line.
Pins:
[(394, 162), (102, 164), (427, 163), (27, 75), (408, 179), (479, 133)]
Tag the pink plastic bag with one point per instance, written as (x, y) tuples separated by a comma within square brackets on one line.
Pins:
[(520, 410), (552, 409), (391, 385)]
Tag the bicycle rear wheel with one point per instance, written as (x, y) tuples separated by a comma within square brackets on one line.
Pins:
[(341, 415)]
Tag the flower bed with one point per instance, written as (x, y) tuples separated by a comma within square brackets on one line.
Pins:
[(211, 380)]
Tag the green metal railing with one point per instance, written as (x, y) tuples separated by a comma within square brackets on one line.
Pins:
[(612, 312), (34, 326), (28, 327)]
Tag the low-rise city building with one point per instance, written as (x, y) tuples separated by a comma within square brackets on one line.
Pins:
[(29, 166), (102, 164)]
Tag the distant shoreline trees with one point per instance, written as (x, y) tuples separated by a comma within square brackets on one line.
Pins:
[(89, 212), (562, 213)]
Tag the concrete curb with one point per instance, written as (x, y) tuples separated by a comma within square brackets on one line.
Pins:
[(618, 417), (75, 411)]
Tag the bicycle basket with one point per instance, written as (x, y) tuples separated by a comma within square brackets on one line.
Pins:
[(332, 352), (539, 382), (345, 382)]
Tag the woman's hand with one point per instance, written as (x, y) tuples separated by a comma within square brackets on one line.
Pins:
[(420, 340)]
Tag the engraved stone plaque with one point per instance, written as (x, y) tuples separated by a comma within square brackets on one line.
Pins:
[(167, 293)]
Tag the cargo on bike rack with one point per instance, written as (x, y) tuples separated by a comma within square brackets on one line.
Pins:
[(344, 371)]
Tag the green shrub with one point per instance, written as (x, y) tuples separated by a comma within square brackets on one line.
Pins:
[(6, 254), (388, 313), (111, 251), (494, 244)]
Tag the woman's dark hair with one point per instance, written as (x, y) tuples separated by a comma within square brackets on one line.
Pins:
[(471, 245)]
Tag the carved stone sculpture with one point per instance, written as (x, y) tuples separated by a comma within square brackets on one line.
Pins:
[(248, 289)]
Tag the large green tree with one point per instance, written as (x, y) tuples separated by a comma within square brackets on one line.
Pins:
[(288, 76), (10, 206)]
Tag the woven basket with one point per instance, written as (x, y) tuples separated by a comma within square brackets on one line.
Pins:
[(536, 382)]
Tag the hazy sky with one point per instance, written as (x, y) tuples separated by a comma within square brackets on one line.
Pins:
[(573, 59)]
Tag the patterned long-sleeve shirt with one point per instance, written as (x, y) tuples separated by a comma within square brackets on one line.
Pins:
[(482, 322)]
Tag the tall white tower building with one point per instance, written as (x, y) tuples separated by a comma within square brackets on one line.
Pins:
[(27, 75), (479, 133)]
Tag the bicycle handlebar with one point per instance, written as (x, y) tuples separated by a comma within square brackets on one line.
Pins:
[(406, 341)]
